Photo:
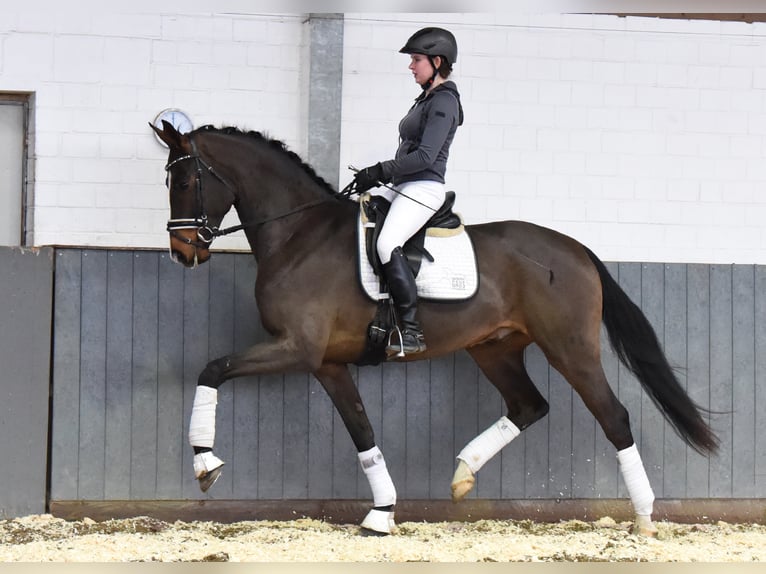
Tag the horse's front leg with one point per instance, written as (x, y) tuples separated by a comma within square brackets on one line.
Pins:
[(271, 357), (337, 381)]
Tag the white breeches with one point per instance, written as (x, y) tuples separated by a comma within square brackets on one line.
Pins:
[(406, 216)]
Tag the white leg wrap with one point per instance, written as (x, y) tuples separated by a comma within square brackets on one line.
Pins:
[(636, 481), (202, 423), (374, 467), (477, 452)]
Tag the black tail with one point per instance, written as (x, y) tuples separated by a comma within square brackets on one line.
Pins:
[(635, 342)]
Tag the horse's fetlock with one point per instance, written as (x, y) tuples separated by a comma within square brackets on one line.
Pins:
[(213, 373)]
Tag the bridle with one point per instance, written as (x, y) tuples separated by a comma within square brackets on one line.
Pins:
[(206, 233)]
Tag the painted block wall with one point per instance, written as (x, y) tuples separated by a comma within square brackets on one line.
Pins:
[(643, 138), (100, 76)]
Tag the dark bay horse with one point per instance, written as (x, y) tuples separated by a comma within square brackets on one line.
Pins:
[(536, 286)]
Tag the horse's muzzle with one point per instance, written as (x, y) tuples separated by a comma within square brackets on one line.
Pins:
[(186, 249)]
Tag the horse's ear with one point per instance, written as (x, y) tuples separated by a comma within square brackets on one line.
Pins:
[(168, 134)]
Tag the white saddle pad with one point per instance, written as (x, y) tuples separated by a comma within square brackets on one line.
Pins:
[(453, 276)]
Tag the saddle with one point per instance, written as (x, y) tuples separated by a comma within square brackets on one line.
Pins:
[(444, 234), (375, 209)]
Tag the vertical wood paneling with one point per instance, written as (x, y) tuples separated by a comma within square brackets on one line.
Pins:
[(393, 425), (441, 432), (243, 466), (119, 360), (721, 383), (92, 441), (560, 440), (759, 449), (296, 437), (171, 440), (321, 413), (743, 381), (144, 408), (418, 447), (675, 347), (698, 369), (65, 430), (121, 407), (26, 314), (144, 369), (536, 437), (270, 434)]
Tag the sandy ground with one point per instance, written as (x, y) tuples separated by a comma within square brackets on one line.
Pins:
[(43, 538)]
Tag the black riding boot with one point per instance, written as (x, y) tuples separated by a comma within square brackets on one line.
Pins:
[(401, 286)]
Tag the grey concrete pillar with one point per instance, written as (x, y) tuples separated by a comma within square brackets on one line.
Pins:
[(325, 93)]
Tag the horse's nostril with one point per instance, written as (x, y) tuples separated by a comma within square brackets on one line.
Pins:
[(179, 257)]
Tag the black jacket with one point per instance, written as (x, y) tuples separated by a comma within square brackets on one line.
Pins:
[(425, 136)]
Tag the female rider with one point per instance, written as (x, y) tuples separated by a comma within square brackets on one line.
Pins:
[(417, 170)]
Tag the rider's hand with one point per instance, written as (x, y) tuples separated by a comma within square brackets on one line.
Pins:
[(368, 178)]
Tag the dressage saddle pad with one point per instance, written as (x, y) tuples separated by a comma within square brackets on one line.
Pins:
[(451, 276)]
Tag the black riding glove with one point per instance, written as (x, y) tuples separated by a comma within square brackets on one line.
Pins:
[(368, 178)]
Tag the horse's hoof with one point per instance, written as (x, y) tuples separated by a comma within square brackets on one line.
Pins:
[(207, 469), (462, 482), (378, 523), (208, 479), (643, 526)]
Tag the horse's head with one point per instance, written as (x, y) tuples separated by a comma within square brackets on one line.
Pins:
[(199, 198)]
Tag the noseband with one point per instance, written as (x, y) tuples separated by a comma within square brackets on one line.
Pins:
[(206, 233)]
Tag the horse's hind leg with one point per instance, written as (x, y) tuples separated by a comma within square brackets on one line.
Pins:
[(504, 367), (337, 381), (587, 378)]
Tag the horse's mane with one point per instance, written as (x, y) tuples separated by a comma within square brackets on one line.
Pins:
[(277, 145)]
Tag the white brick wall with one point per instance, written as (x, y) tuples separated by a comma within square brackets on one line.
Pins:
[(643, 138), (99, 77)]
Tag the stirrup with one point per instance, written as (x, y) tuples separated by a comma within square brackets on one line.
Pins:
[(417, 346), (391, 349)]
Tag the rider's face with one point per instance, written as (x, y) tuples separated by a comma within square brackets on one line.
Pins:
[(421, 68)]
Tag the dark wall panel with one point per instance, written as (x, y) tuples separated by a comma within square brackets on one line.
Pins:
[(133, 331), (26, 293)]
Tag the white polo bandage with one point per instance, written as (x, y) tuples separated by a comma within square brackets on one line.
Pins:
[(202, 423), (477, 452), (636, 481), (374, 467)]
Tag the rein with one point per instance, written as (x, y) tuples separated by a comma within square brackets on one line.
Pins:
[(205, 233)]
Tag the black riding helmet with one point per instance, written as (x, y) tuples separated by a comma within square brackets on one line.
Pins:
[(432, 42)]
